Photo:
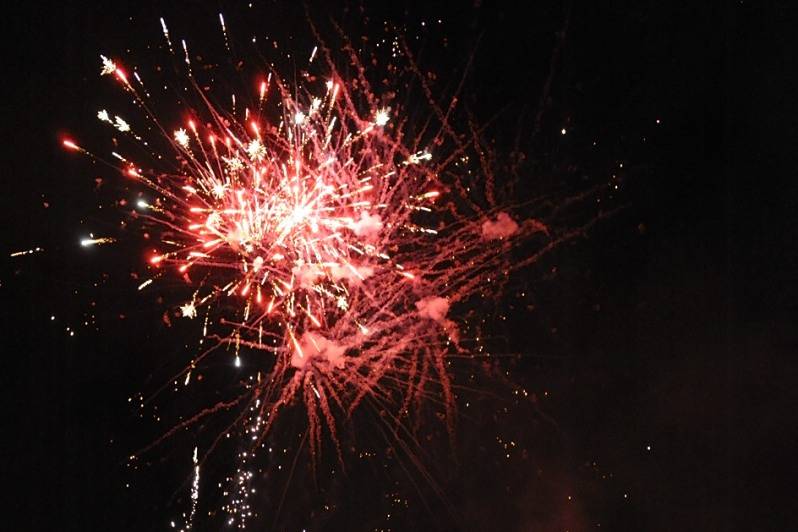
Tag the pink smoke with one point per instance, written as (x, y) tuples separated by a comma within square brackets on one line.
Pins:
[(434, 308), (307, 275), (350, 272), (503, 227), (313, 346), (368, 225)]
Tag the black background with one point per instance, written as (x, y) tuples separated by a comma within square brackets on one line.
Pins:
[(660, 352)]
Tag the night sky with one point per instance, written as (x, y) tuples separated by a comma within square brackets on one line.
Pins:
[(656, 353)]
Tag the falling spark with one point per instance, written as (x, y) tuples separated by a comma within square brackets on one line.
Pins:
[(224, 32), (86, 242), (186, 57), (194, 490), (26, 252), (71, 145), (166, 34)]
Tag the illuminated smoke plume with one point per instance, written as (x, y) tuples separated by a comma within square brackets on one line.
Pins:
[(434, 308), (503, 227)]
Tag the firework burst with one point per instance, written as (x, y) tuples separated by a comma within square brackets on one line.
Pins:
[(327, 243)]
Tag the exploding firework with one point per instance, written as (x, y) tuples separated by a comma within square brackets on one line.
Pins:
[(324, 236)]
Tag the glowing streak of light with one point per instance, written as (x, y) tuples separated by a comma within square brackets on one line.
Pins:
[(71, 145), (224, 31), (86, 242), (194, 490), (26, 252), (166, 34)]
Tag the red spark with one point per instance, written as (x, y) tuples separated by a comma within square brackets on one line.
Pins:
[(70, 145)]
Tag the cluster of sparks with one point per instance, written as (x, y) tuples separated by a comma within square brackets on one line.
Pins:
[(323, 249)]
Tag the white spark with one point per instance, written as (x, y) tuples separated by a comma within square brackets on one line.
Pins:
[(256, 151), (182, 137), (189, 310), (121, 125), (381, 117), (109, 67)]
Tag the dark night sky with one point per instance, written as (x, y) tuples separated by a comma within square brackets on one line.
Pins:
[(671, 326)]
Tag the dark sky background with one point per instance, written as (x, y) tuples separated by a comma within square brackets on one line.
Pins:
[(659, 350)]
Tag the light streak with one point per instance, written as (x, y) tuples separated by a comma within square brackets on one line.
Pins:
[(26, 252), (86, 242)]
